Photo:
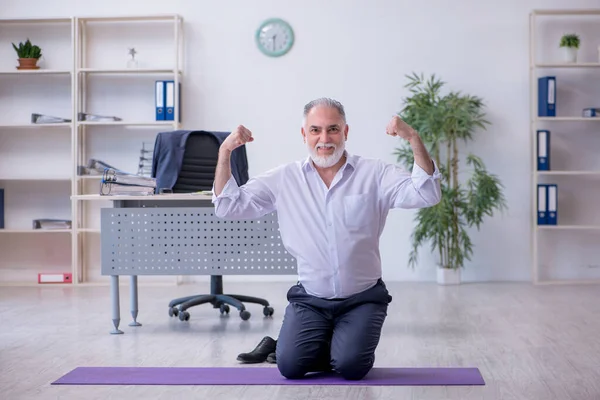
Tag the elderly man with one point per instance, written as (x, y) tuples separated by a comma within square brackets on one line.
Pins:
[(331, 209)]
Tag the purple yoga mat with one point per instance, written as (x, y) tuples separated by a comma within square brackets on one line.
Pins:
[(263, 376)]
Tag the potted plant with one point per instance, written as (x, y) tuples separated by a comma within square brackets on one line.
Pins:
[(443, 122), (29, 55), (570, 44)]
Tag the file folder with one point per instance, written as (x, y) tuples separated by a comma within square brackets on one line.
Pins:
[(547, 96), (552, 204), (542, 207), (159, 100), (170, 100), (1, 208), (543, 150), (55, 277)]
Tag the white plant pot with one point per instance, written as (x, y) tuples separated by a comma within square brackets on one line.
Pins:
[(446, 276), (569, 54)]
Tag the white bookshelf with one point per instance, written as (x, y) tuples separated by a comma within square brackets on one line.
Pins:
[(83, 69), (567, 253)]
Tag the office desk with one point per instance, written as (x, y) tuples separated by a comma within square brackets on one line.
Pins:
[(178, 234)]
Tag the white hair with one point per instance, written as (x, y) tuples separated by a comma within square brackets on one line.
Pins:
[(324, 101)]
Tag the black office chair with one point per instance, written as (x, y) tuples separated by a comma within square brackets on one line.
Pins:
[(197, 173)]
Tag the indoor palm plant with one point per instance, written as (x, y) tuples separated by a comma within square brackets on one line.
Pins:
[(28, 54), (444, 121)]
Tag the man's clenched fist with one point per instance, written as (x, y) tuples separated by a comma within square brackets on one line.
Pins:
[(240, 136), (397, 127)]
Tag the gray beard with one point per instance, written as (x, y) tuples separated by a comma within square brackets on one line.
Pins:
[(327, 161)]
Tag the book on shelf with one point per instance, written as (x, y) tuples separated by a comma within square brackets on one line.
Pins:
[(96, 118), (547, 204), (96, 167), (543, 150), (47, 119), (1, 208), (50, 223), (547, 96)]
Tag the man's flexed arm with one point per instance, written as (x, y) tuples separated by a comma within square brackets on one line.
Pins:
[(397, 127), (254, 198), (422, 187), (240, 136)]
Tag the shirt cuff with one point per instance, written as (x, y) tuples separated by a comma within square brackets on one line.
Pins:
[(231, 190), (420, 176)]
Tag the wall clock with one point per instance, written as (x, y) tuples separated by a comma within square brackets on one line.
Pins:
[(274, 37)]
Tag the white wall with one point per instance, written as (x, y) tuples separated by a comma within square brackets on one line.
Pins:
[(359, 53)]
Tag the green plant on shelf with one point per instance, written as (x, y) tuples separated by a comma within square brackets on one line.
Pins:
[(28, 50), (570, 40)]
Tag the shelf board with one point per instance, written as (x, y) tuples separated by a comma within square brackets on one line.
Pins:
[(55, 125), (569, 65), (31, 178), (565, 12), (596, 119), (569, 227), (570, 281), (568, 172), (131, 18), (35, 230), (40, 71), (133, 71), (34, 20), (126, 123), (151, 197)]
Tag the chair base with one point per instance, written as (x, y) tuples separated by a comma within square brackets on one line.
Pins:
[(218, 300)]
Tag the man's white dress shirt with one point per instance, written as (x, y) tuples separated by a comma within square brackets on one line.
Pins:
[(332, 232)]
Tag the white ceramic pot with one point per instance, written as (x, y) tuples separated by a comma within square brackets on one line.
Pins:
[(570, 54), (446, 276)]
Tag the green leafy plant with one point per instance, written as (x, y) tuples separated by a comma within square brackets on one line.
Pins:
[(443, 122), (570, 40), (28, 50)]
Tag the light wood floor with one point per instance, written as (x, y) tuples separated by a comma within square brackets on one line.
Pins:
[(529, 342)]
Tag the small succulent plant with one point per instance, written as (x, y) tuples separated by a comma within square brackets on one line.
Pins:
[(28, 50)]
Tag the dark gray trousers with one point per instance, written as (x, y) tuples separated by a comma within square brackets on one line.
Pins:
[(341, 334)]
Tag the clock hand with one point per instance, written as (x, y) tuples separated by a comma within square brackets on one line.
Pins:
[(274, 37)]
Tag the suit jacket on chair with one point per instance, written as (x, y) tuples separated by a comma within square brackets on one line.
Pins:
[(169, 148)]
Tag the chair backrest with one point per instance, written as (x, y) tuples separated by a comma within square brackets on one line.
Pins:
[(199, 164)]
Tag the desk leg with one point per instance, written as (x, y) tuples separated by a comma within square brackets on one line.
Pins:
[(114, 296), (134, 301)]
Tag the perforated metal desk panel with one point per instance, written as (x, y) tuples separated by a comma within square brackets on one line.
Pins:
[(190, 241)]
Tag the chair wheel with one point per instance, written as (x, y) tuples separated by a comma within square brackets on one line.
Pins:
[(184, 316), (268, 311), (245, 315), (224, 308), (173, 311)]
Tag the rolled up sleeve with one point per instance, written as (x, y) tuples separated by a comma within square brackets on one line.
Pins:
[(254, 199), (416, 189)]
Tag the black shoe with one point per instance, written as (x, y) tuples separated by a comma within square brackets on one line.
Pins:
[(271, 358), (260, 353)]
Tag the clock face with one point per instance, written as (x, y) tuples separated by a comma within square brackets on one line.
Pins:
[(274, 37)]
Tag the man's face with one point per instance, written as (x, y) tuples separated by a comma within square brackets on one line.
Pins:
[(325, 134)]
